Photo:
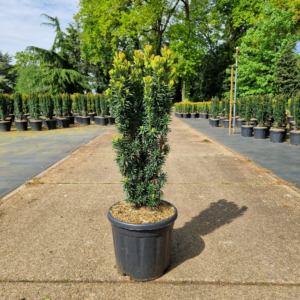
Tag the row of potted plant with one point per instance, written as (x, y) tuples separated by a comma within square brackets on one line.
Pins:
[(193, 109), (51, 111)]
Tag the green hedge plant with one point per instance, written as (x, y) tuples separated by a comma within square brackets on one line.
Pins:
[(18, 106), (47, 106), (215, 107), (4, 109), (296, 111), (58, 105), (279, 110), (104, 105), (142, 93), (66, 105), (34, 106), (97, 104)]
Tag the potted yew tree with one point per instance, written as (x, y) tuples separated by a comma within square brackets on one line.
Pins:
[(214, 122), (34, 112), (141, 93), (194, 113), (4, 112), (20, 123), (277, 134), (226, 112), (295, 112), (261, 131), (67, 108), (103, 120), (247, 130), (47, 106)]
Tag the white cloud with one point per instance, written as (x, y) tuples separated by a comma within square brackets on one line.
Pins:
[(20, 22)]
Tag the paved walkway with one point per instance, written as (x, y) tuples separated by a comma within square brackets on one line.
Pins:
[(23, 155), (236, 237), (282, 159)]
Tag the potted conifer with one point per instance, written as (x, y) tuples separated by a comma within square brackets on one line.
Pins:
[(20, 123), (186, 110), (253, 104), (261, 131), (247, 130), (241, 110), (222, 111), (91, 106), (85, 119), (67, 108), (47, 106), (295, 111), (214, 122), (97, 108), (227, 111), (34, 112), (277, 134), (194, 113), (76, 108), (103, 121), (110, 118), (141, 94), (61, 120), (4, 123)]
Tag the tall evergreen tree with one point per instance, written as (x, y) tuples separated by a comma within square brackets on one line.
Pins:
[(7, 77), (286, 75)]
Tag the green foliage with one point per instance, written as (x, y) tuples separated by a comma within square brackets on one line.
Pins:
[(7, 75), (4, 109), (58, 105), (248, 109), (242, 107), (76, 104), (47, 106), (83, 105), (296, 111), (66, 105), (25, 103), (18, 106), (103, 105), (292, 103), (215, 107), (34, 106), (261, 111), (98, 104), (227, 108), (142, 94), (193, 108), (279, 110), (286, 76)]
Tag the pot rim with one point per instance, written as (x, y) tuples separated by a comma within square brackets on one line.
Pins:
[(139, 227)]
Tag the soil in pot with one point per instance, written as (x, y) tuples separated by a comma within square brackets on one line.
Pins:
[(111, 120), (36, 125), (214, 122), (186, 116), (240, 122), (21, 125), (50, 124), (85, 120), (295, 137), (260, 133), (5, 126), (142, 239), (194, 115), (247, 130), (92, 115), (277, 135)]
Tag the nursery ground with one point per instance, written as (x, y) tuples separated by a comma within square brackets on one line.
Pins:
[(283, 159), (236, 236), (24, 155)]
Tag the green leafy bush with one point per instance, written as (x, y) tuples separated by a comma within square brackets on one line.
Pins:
[(98, 104), (261, 111), (103, 105), (4, 112), (47, 106), (18, 106), (142, 94), (215, 107), (279, 110), (248, 109), (66, 105), (58, 105), (83, 105), (296, 111), (34, 106)]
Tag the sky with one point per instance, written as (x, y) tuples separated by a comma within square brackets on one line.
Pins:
[(20, 22)]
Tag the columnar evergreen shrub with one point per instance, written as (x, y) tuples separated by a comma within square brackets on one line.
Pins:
[(97, 104), (34, 106), (76, 104), (47, 105), (279, 110), (58, 105), (193, 108), (227, 108), (83, 105), (18, 106), (296, 111), (261, 111), (142, 94), (222, 109), (25, 104), (3, 107), (9, 103), (200, 107), (291, 106), (215, 107), (248, 109), (66, 105), (103, 105)]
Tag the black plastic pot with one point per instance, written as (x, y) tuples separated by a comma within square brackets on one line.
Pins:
[(295, 137), (63, 122), (209, 116), (221, 120), (179, 115), (240, 122), (36, 125), (290, 119), (5, 126), (101, 121), (71, 120), (12, 116), (247, 130), (50, 124), (253, 122), (209, 121), (194, 115), (111, 120), (91, 115), (204, 116), (142, 251), (78, 119), (260, 133), (277, 135), (85, 120), (21, 125), (226, 123), (214, 122), (186, 116)]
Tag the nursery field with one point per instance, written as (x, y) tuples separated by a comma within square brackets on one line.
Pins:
[(23, 155), (282, 159)]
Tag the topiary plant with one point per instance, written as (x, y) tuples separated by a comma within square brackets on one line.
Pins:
[(279, 110), (34, 106), (18, 106), (142, 94), (4, 112)]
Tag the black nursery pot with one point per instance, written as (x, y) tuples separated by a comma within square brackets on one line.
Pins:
[(142, 251), (226, 123), (5, 126), (186, 116), (214, 122), (71, 120), (240, 122), (92, 115), (85, 120), (253, 122), (277, 135), (36, 125), (111, 120), (78, 119), (204, 116), (101, 121), (247, 131), (290, 119), (209, 116), (21, 125), (221, 120), (295, 137), (260, 132), (179, 115), (50, 124), (194, 115), (63, 122)]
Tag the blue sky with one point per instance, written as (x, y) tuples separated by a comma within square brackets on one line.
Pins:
[(20, 22)]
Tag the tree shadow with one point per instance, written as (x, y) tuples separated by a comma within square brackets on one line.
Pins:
[(187, 242)]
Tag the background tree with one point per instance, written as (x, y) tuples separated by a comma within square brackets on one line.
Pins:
[(7, 75)]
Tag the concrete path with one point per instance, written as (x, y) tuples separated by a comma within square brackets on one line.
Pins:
[(236, 237), (23, 155), (282, 159)]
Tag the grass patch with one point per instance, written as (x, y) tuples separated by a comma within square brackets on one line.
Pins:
[(205, 141)]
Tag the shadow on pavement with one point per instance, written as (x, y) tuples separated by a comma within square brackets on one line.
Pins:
[(187, 241)]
